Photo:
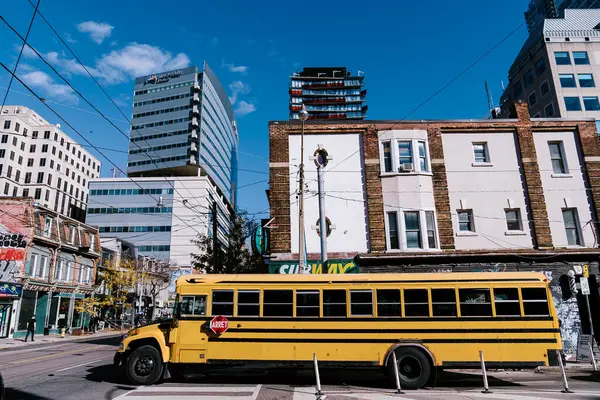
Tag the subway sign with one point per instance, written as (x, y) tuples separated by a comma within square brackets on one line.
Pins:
[(339, 266)]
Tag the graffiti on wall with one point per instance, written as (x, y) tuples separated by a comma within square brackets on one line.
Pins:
[(13, 239)]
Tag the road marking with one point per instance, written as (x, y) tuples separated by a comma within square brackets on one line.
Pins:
[(513, 396), (79, 365), (193, 392)]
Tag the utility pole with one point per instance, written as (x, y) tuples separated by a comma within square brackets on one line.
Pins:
[(215, 227), (303, 114), (321, 159)]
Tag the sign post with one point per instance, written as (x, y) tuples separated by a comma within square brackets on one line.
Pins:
[(584, 285)]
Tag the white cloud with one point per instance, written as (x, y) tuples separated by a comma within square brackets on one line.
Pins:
[(237, 88), (98, 31), (27, 51), (69, 38), (119, 66), (43, 82), (234, 68), (244, 108)]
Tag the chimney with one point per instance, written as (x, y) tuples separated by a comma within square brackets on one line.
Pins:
[(521, 111)]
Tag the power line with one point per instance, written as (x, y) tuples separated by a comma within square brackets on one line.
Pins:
[(79, 134), (35, 11), (441, 89)]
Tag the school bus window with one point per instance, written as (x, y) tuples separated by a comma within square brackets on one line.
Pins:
[(307, 303), (361, 303), (222, 302), (248, 304), (388, 303), (535, 301), (416, 303), (507, 302), (475, 302), (278, 303), (443, 302), (191, 305), (334, 303)]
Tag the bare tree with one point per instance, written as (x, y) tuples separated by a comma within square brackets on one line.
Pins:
[(156, 279)]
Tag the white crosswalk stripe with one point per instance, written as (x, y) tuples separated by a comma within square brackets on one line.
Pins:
[(219, 392)]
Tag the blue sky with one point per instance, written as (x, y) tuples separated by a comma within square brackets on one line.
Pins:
[(407, 50)]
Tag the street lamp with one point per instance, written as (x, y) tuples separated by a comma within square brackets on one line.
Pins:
[(303, 115)]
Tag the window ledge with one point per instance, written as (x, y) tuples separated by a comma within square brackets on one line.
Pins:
[(561, 175), (413, 173), (482, 164), (515, 233), (466, 233)]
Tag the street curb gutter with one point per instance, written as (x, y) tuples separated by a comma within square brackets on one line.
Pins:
[(42, 345)]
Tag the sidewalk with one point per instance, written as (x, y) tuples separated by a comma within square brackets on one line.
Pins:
[(10, 344)]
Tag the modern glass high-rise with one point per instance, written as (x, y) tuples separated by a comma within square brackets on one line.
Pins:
[(183, 125), (539, 10), (328, 93)]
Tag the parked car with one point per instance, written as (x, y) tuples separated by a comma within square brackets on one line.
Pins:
[(2, 391)]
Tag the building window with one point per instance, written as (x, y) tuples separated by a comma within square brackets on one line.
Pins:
[(405, 154), (25, 192), (44, 148), (387, 157), (6, 188), (27, 177), (34, 134), (567, 80), (42, 162), (549, 110), (518, 89), (581, 58), (32, 148), (572, 104), (562, 58), (591, 103), (532, 99), (7, 124), (465, 221), (572, 229), (412, 227), (71, 237), (557, 157), (46, 134), (480, 151), (47, 226), (40, 177), (17, 126), (540, 67), (528, 78), (393, 230), (586, 80), (513, 219), (422, 156), (38, 194), (4, 139)]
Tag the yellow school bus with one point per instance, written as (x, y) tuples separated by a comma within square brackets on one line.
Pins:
[(431, 321)]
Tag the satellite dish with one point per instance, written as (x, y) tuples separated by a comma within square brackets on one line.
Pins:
[(58, 126)]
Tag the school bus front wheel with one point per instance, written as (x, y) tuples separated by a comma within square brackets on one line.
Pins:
[(414, 367), (144, 366)]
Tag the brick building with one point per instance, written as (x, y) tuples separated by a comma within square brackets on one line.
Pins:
[(470, 195)]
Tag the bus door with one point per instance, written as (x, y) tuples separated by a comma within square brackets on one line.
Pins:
[(192, 339)]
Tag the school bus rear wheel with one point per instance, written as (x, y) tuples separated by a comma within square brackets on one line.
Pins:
[(144, 365), (414, 368)]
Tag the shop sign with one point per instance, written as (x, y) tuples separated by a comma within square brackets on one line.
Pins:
[(342, 266), (10, 290)]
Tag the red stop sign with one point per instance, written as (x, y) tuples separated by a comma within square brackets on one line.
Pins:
[(219, 324)]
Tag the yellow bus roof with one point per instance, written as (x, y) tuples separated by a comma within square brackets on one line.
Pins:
[(232, 279)]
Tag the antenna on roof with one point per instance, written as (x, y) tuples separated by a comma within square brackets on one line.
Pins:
[(490, 100)]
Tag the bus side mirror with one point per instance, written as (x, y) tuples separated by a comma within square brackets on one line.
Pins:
[(178, 311)]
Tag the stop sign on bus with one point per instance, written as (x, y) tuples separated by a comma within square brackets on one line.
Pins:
[(219, 324)]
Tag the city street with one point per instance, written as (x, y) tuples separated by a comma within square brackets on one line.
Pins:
[(83, 370)]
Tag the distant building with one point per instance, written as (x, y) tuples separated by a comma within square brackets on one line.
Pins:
[(183, 125), (47, 263), (328, 93), (556, 70), (38, 160), (539, 10), (123, 210)]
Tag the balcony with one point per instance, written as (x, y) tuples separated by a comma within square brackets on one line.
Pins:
[(193, 147), (193, 160), (195, 122), (197, 87), (195, 110), (194, 134), (196, 98)]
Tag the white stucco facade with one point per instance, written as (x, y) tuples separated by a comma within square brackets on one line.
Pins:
[(345, 200)]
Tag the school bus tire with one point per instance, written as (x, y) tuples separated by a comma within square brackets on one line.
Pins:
[(414, 367), (144, 366)]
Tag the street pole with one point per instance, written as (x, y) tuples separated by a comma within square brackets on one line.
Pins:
[(587, 303), (215, 229), (321, 161), (303, 114)]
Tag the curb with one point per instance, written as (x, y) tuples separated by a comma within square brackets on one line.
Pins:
[(82, 339)]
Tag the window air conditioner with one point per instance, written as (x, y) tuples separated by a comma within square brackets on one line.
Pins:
[(406, 167)]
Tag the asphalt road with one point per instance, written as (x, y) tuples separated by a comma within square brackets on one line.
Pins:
[(83, 370)]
